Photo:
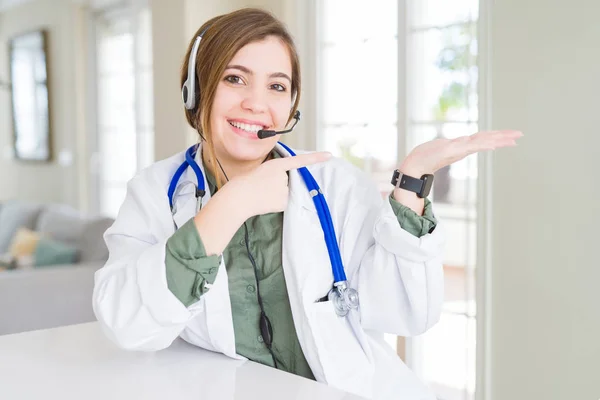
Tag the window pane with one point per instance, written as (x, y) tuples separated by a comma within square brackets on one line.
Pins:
[(448, 358), (115, 53), (117, 155), (419, 134), (443, 74), (372, 148), (351, 20), (111, 199), (144, 38), (442, 12), (145, 98), (360, 82), (116, 101), (124, 100), (460, 248), (146, 148), (459, 282), (442, 103)]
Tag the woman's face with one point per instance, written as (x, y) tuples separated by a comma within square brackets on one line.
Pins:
[(254, 93)]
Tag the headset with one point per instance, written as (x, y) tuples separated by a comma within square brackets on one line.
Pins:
[(188, 91)]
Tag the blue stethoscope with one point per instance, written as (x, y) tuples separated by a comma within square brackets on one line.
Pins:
[(342, 297)]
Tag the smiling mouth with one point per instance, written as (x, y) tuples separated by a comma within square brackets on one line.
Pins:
[(250, 128)]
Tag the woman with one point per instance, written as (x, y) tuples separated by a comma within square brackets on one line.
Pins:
[(248, 274)]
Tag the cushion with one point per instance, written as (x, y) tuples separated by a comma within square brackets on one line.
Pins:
[(91, 245), (24, 243), (53, 252), (7, 262), (61, 223), (15, 215)]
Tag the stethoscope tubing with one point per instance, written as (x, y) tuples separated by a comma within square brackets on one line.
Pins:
[(313, 188), (325, 219)]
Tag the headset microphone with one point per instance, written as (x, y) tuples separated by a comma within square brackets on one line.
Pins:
[(263, 134)]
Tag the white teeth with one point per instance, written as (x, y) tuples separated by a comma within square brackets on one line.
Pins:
[(246, 127)]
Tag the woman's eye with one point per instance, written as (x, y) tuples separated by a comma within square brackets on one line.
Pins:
[(233, 79), (278, 87)]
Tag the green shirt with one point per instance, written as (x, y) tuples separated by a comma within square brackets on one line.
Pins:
[(189, 270)]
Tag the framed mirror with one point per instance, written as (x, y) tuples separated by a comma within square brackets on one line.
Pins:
[(30, 105)]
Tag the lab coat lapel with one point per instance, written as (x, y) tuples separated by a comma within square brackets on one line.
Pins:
[(303, 252), (305, 257)]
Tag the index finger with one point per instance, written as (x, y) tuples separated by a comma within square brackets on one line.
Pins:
[(302, 160)]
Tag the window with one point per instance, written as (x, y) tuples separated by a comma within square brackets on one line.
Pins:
[(359, 101), (124, 120), (393, 74)]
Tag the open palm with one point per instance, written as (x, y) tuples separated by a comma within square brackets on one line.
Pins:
[(438, 153)]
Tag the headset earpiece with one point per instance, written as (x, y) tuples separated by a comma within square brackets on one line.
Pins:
[(188, 90)]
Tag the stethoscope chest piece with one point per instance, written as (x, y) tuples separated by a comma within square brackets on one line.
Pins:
[(351, 298), (343, 299)]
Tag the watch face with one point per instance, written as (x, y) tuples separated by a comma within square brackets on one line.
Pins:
[(427, 183)]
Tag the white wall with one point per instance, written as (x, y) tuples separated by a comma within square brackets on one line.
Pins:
[(46, 182), (169, 42), (546, 204)]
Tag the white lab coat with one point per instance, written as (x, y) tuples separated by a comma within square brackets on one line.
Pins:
[(398, 276)]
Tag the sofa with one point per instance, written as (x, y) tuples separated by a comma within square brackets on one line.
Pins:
[(49, 295)]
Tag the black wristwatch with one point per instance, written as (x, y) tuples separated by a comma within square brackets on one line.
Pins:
[(421, 187)]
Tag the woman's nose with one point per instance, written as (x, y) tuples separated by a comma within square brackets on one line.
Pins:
[(255, 101)]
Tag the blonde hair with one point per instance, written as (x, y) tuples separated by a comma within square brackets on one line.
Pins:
[(223, 37)]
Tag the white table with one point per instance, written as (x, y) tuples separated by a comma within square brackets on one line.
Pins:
[(78, 362)]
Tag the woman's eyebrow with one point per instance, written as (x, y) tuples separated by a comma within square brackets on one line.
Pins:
[(250, 72), (280, 75)]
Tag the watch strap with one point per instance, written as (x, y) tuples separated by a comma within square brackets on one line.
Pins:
[(421, 187), (407, 182)]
